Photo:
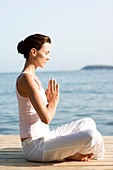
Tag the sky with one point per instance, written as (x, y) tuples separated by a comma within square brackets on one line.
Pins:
[(81, 32)]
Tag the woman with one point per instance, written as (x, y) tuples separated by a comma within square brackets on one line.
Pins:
[(78, 141)]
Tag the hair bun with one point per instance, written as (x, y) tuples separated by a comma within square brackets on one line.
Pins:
[(21, 47)]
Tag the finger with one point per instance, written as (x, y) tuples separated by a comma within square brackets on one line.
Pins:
[(57, 88), (46, 92), (54, 85), (49, 85)]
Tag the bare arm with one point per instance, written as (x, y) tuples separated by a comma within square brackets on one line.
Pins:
[(28, 86)]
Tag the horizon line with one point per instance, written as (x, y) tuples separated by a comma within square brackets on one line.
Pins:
[(70, 70)]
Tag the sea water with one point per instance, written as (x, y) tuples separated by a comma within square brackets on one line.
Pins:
[(83, 93)]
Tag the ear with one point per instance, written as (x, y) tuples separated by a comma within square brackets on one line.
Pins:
[(33, 52)]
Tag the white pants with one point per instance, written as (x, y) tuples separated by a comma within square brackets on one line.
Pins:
[(80, 136)]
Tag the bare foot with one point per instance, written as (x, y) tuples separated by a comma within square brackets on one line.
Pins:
[(90, 156), (80, 157)]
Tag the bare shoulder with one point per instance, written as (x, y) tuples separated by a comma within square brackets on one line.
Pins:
[(26, 83), (25, 79)]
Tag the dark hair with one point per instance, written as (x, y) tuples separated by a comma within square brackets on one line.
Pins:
[(32, 41)]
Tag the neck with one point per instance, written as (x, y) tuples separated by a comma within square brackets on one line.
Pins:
[(29, 67)]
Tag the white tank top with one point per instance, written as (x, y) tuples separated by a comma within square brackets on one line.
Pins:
[(30, 125)]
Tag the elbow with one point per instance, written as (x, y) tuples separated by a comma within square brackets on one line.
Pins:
[(46, 120)]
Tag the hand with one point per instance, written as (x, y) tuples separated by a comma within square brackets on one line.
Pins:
[(52, 91)]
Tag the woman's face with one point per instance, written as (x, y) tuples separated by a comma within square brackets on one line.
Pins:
[(43, 55)]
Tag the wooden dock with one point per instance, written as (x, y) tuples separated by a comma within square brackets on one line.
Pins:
[(11, 157)]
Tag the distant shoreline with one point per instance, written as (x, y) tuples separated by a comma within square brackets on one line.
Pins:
[(97, 67)]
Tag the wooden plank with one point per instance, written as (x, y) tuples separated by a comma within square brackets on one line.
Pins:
[(56, 168), (11, 157)]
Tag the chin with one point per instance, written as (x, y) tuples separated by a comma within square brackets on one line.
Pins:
[(42, 66)]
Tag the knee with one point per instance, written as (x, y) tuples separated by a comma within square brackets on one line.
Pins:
[(94, 136), (90, 120), (89, 123)]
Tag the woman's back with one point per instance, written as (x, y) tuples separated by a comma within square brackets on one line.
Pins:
[(30, 124)]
